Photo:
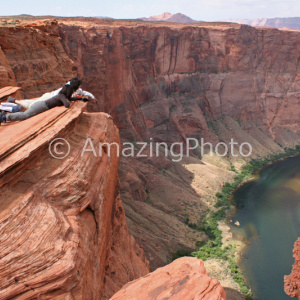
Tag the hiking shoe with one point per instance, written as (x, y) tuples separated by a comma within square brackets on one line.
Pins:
[(11, 99), (2, 117)]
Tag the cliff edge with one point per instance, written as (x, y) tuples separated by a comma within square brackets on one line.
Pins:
[(63, 233)]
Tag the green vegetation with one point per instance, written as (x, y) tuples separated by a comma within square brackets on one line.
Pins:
[(181, 253), (168, 95), (148, 195), (213, 126), (172, 108), (232, 168), (213, 248), (142, 104)]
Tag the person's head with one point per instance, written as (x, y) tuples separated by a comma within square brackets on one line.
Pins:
[(75, 83), (68, 90)]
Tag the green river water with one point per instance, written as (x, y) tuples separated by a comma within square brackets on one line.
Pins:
[(268, 210)]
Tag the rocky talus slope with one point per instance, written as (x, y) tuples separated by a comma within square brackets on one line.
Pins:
[(63, 233)]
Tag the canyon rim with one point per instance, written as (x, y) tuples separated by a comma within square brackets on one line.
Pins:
[(152, 80)]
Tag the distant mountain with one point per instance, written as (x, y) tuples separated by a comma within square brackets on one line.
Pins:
[(292, 23), (168, 17), (101, 17)]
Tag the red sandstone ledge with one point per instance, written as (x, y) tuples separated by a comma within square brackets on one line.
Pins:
[(19, 139), (292, 281), (62, 225), (185, 278)]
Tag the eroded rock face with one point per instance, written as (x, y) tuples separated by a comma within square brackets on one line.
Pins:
[(185, 278), (6, 73), (170, 82), (292, 281), (176, 79), (63, 232), (34, 59), (155, 79)]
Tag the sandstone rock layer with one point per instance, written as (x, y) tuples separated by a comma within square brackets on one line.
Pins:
[(63, 233), (185, 278), (292, 281)]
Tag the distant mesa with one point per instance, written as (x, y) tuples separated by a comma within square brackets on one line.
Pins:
[(168, 17), (101, 17), (282, 23)]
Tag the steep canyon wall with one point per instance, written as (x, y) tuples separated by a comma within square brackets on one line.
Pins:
[(169, 82)]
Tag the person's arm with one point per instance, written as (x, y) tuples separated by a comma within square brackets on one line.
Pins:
[(84, 93), (79, 98), (64, 100), (75, 98)]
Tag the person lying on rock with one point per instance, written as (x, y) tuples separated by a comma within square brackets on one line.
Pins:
[(26, 103), (63, 98)]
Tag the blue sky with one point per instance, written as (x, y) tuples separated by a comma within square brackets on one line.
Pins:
[(207, 10)]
